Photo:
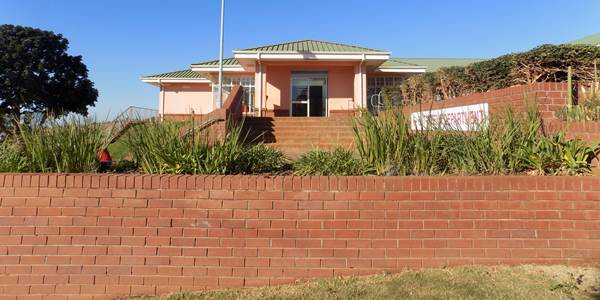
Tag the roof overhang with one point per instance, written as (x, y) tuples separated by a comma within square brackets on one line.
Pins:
[(247, 59), (158, 81), (416, 69), (311, 55)]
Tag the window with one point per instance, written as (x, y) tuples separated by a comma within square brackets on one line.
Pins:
[(376, 83), (247, 83)]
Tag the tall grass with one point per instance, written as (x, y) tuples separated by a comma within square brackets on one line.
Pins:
[(62, 146), (181, 148), (513, 143)]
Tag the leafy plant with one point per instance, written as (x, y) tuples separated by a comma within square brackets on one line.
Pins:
[(337, 162), (260, 159), (181, 148), (513, 143), (382, 141), (124, 166), (11, 156)]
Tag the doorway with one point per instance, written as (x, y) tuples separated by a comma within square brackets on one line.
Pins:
[(308, 94)]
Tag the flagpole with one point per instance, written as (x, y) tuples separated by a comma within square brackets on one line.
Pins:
[(221, 55)]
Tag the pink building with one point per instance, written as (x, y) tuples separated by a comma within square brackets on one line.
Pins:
[(301, 79)]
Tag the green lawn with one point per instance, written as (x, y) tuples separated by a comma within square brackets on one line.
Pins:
[(472, 282), (118, 150)]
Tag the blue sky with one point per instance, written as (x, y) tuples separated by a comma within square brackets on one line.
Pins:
[(123, 40)]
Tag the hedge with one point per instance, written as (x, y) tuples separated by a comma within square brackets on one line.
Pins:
[(546, 63)]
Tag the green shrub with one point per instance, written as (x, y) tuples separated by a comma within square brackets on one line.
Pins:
[(339, 162), (382, 141), (123, 166), (61, 146), (11, 156), (260, 159)]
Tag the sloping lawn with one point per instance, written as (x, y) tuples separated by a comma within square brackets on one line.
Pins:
[(472, 282)]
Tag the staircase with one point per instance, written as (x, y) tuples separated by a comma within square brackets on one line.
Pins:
[(297, 135)]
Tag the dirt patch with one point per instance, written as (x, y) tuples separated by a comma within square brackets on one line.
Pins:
[(470, 282)]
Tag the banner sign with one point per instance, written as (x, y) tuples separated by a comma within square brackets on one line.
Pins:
[(465, 118)]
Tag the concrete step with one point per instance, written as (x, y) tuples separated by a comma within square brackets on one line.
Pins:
[(296, 135)]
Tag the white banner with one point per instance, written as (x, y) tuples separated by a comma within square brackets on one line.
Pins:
[(466, 118)]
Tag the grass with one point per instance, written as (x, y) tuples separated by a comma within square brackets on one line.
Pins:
[(62, 146), (118, 150), (470, 282)]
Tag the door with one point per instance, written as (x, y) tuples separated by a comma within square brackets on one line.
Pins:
[(308, 95)]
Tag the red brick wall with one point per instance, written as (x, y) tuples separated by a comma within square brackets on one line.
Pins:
[(84, 235), (549, 97), (589, 131)]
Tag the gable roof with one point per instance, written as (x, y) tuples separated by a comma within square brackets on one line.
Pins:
[(310, 46), (593, 40), (432, 64)]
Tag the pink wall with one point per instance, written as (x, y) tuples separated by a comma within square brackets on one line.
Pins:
[(340, 84), (180, 98)]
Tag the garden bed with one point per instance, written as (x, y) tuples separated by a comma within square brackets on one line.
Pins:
[(386, 145)]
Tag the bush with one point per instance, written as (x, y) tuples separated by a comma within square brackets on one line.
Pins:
[(124, 166), (11, 156), (62, 146), (339, 162), (261, 159), (546, 63), (510, 145)]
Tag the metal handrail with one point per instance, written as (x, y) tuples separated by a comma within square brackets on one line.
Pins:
[(129, 117)]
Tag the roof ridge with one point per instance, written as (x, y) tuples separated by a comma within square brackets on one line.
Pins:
[(276, 44), (347, 45)]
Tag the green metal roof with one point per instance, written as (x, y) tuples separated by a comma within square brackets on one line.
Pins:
[(182, 74), (399, 63), (432, 64), (593, 40), (230, 61), (309, 46)]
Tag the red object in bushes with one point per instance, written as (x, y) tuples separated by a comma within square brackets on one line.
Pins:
[(105, 156)]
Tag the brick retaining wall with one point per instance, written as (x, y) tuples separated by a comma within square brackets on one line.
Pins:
[(85, 235), (549, 97)]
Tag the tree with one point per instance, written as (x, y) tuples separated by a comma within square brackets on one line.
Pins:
[(37, 75)]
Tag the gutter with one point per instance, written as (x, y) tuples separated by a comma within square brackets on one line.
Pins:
[(162, 91), (362, 61)]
